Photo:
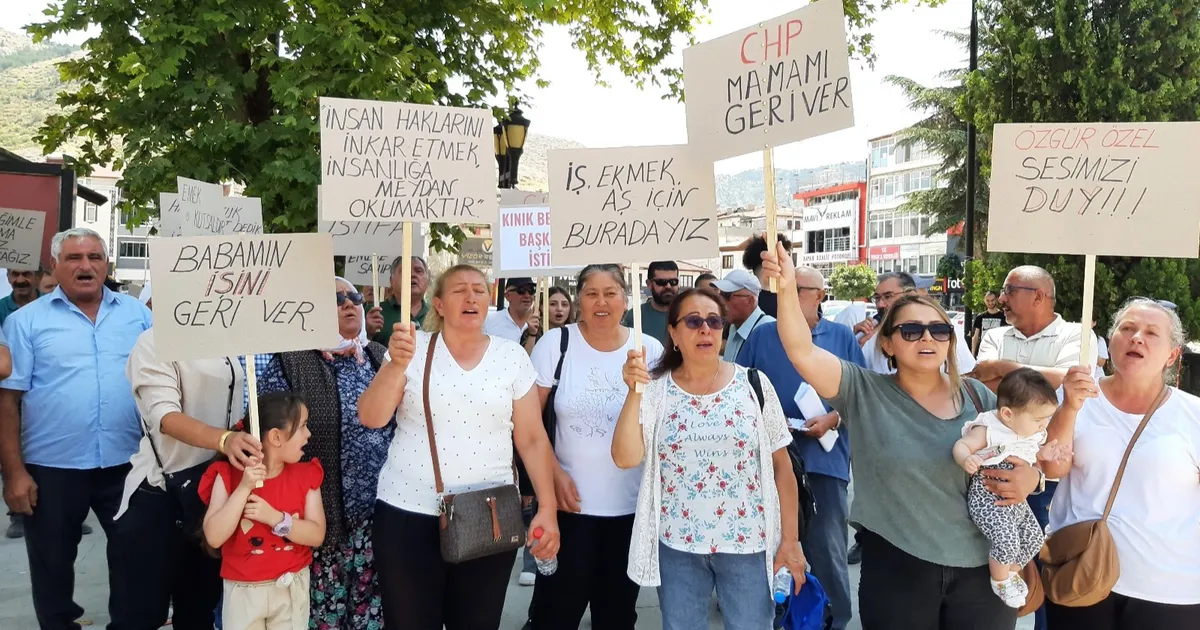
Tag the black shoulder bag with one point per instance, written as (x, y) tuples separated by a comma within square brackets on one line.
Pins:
[(808, 504), (549, 417)]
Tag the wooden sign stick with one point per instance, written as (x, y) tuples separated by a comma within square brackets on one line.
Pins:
[(544, 295), (406, 246), (634, 270), (771, 203), (252, 400), (1085, 321), (375, 279)]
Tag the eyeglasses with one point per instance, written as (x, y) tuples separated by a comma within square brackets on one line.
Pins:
[(672, 282), (694, 322), (523, 290), (912, 331), (877, 298), (1010, 289), (1170, 306), (355, 298)]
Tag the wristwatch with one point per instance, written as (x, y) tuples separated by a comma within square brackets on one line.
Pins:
[(1041, 483), (284, 528)]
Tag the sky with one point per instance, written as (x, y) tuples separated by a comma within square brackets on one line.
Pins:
[(575, 108)]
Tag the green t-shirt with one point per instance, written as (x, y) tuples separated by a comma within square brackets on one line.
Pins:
[(907, 487), (391, 315), (654, 323)]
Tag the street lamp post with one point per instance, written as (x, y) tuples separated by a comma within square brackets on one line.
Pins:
[(510, 144), (972, 160), (501, 146)]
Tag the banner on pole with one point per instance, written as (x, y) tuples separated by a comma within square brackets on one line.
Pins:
[(386, 161), (781, 81), (631, 204), (218, 296), (1110, 189), (206, 211)]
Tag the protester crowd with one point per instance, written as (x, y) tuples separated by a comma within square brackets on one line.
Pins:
[(701, 455)]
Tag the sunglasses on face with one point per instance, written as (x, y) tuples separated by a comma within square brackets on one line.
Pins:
[(673, 282), (912, 331), (694, 322), (355, 298), (523, 290)]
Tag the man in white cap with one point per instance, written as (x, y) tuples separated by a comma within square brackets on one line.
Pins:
[(740, 289)]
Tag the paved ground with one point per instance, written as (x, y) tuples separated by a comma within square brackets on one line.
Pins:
[(91, 590)]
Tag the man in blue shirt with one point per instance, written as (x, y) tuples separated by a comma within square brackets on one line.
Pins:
[(68, 424), (828, 472), (24, 285)]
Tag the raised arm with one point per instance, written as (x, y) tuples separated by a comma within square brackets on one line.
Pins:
[(1078, 386), (378, 404), (627, 446), (819, 367)]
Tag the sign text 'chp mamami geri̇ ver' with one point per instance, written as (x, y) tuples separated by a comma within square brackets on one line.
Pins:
[(395, 162), (21, 233), (631, 204), (1114, 189), (217, 296), (780, 81)]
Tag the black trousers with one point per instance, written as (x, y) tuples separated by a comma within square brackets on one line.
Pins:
[(421, 591), (52, 536), (172, 566), (898, 591), (591, 570), (1118, 612)]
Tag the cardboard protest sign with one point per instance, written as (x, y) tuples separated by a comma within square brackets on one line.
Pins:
[(521, 244), (362, 238), (21, 233), (207, 211), (1114, 189), (170, 215), (384, 161), (781, 81), (217, 296), (511, 197), (631, 204)]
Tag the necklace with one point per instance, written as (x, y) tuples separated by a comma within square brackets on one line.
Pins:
[(708, 391)]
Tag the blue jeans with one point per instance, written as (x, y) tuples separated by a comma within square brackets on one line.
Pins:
[(688, 579), (825, 545), (1040, 503)]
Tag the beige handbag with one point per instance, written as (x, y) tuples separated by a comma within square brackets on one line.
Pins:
[(1079, 562)]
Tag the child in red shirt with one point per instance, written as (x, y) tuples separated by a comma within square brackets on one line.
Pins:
[(266, 534)]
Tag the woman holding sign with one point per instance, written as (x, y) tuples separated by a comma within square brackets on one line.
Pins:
[(924, 563), (1155, 517), (474, 394), (718, 505), (344, 587)]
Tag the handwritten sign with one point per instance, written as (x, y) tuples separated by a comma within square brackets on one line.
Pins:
[(170, 215), (780, 81), (217, 296), (361, 238), (633, 204), (207, 211), (21, 233), (383, 161), (511, 197), (1116, 189)]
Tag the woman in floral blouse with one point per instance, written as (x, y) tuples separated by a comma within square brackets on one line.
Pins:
[(344, 590), (718, 503)]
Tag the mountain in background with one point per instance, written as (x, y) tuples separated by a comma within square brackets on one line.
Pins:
[(746, 189)]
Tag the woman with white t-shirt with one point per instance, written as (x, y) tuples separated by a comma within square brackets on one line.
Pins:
[(596, 500), (482, 402), (1155, 519), (717, 504)]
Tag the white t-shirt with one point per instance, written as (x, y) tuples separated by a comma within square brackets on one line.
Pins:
[(588, 401), (1155, 520), (1003, 442), (1101, 353), (879, 363), (500, 324), (472, 420)]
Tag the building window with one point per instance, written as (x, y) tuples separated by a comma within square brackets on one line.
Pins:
[(132, 249), (881, 152), (727, 261), (89, 212)]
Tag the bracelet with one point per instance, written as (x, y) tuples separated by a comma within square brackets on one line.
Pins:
[(221, 442)]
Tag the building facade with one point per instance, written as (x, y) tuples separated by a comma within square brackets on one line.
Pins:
[(833, 225), (896, 237)]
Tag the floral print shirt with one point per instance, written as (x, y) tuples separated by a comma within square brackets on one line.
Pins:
[(709, 468)]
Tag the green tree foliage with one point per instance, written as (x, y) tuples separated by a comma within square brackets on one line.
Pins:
[(852, 282), (225, 90), (1105, 60), (950, 266)]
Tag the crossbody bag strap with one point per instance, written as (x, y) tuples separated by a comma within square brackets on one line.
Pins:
[(437, 464), (1112, 494), (974, 395)]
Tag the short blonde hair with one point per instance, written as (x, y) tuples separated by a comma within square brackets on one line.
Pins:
[(433, 319)]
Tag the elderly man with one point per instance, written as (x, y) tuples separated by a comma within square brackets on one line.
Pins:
[(1037, 338), (379, 329), (68, 423), (519, 322), (740, 289), (828, 471), (662, 278)]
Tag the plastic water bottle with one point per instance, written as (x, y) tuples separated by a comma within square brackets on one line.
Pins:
[(549, 565), (781, 586)]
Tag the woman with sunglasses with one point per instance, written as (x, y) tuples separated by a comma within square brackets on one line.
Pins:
[(717, 507), (924, 563), (344, 591)]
